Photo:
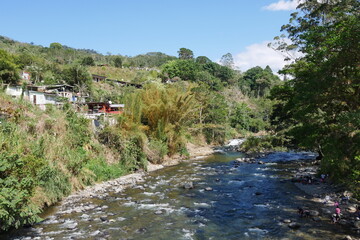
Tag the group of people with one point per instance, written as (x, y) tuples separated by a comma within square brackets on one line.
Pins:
[(335, 217)]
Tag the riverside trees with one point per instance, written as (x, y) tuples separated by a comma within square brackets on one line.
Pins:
[(322, 100)]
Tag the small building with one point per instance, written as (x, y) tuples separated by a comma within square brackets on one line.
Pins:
[(25, 76), (14, 91), (45, 94), (98, 78), (104, 107)]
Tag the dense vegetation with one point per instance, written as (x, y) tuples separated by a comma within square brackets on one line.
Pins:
[(319, 108), (47, 155), (44, 155)]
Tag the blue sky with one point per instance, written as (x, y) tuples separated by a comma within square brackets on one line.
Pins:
[(209, 28)]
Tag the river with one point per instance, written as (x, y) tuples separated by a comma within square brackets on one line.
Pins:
[(228, 201)]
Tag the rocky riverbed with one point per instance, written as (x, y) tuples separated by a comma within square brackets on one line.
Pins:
[(220, 197)]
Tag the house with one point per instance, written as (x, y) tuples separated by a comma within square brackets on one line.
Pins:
[(14, 91), (25, 76), (45, 94), (98, 78), (104, 107)]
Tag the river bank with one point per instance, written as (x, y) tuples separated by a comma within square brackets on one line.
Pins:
[(101, 190), (228, 200), (324, 196)]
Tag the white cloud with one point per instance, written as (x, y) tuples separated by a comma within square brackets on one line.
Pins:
[(283, 5), (259, 54)]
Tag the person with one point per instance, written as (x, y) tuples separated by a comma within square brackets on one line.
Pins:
[(323, 177), (337, 213), (336, 203), (303, 213), (300, 211)]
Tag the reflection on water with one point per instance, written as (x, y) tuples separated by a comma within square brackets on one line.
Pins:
[(249, 201)]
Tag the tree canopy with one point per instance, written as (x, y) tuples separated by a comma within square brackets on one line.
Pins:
[(185, 53), (323, 98)]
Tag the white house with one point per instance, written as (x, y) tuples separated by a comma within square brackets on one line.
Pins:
[(14, 91)]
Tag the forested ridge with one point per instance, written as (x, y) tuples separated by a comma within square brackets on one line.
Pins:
[(45, 155)]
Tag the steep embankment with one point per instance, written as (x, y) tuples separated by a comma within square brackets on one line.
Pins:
[(46, 155)]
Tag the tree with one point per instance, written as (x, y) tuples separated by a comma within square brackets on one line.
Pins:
[(88, 61), (202, 60), (186, 54), (184, 69), (118, 62), (257, 81), (8, 68), (77, 75), (324, 97), (56, 45), (227, 60)]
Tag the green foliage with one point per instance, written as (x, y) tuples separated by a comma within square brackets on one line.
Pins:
[(185, 54), (202, 60), (257, 82), (217, 110), (118, 62), (8, 68), (88, 61), (54, 183), (56, 45), (104, 171), (240, 118), (76, 75), (184, 69), (263, 144), (322, 100)]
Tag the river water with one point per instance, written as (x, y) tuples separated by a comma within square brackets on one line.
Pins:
[(228, 201)]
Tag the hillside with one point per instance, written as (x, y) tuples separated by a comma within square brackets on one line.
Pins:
[(182, 102)]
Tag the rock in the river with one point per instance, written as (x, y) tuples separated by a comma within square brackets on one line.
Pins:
[(258, 193), (287, 221), (294, 225), (208, 189), (103, 218), (71, 226), (314, 213), (189, 185), (141, 230), (357, 224), (85, 216), (347, 238), (158, 212), (261, 162), (351, 209)]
